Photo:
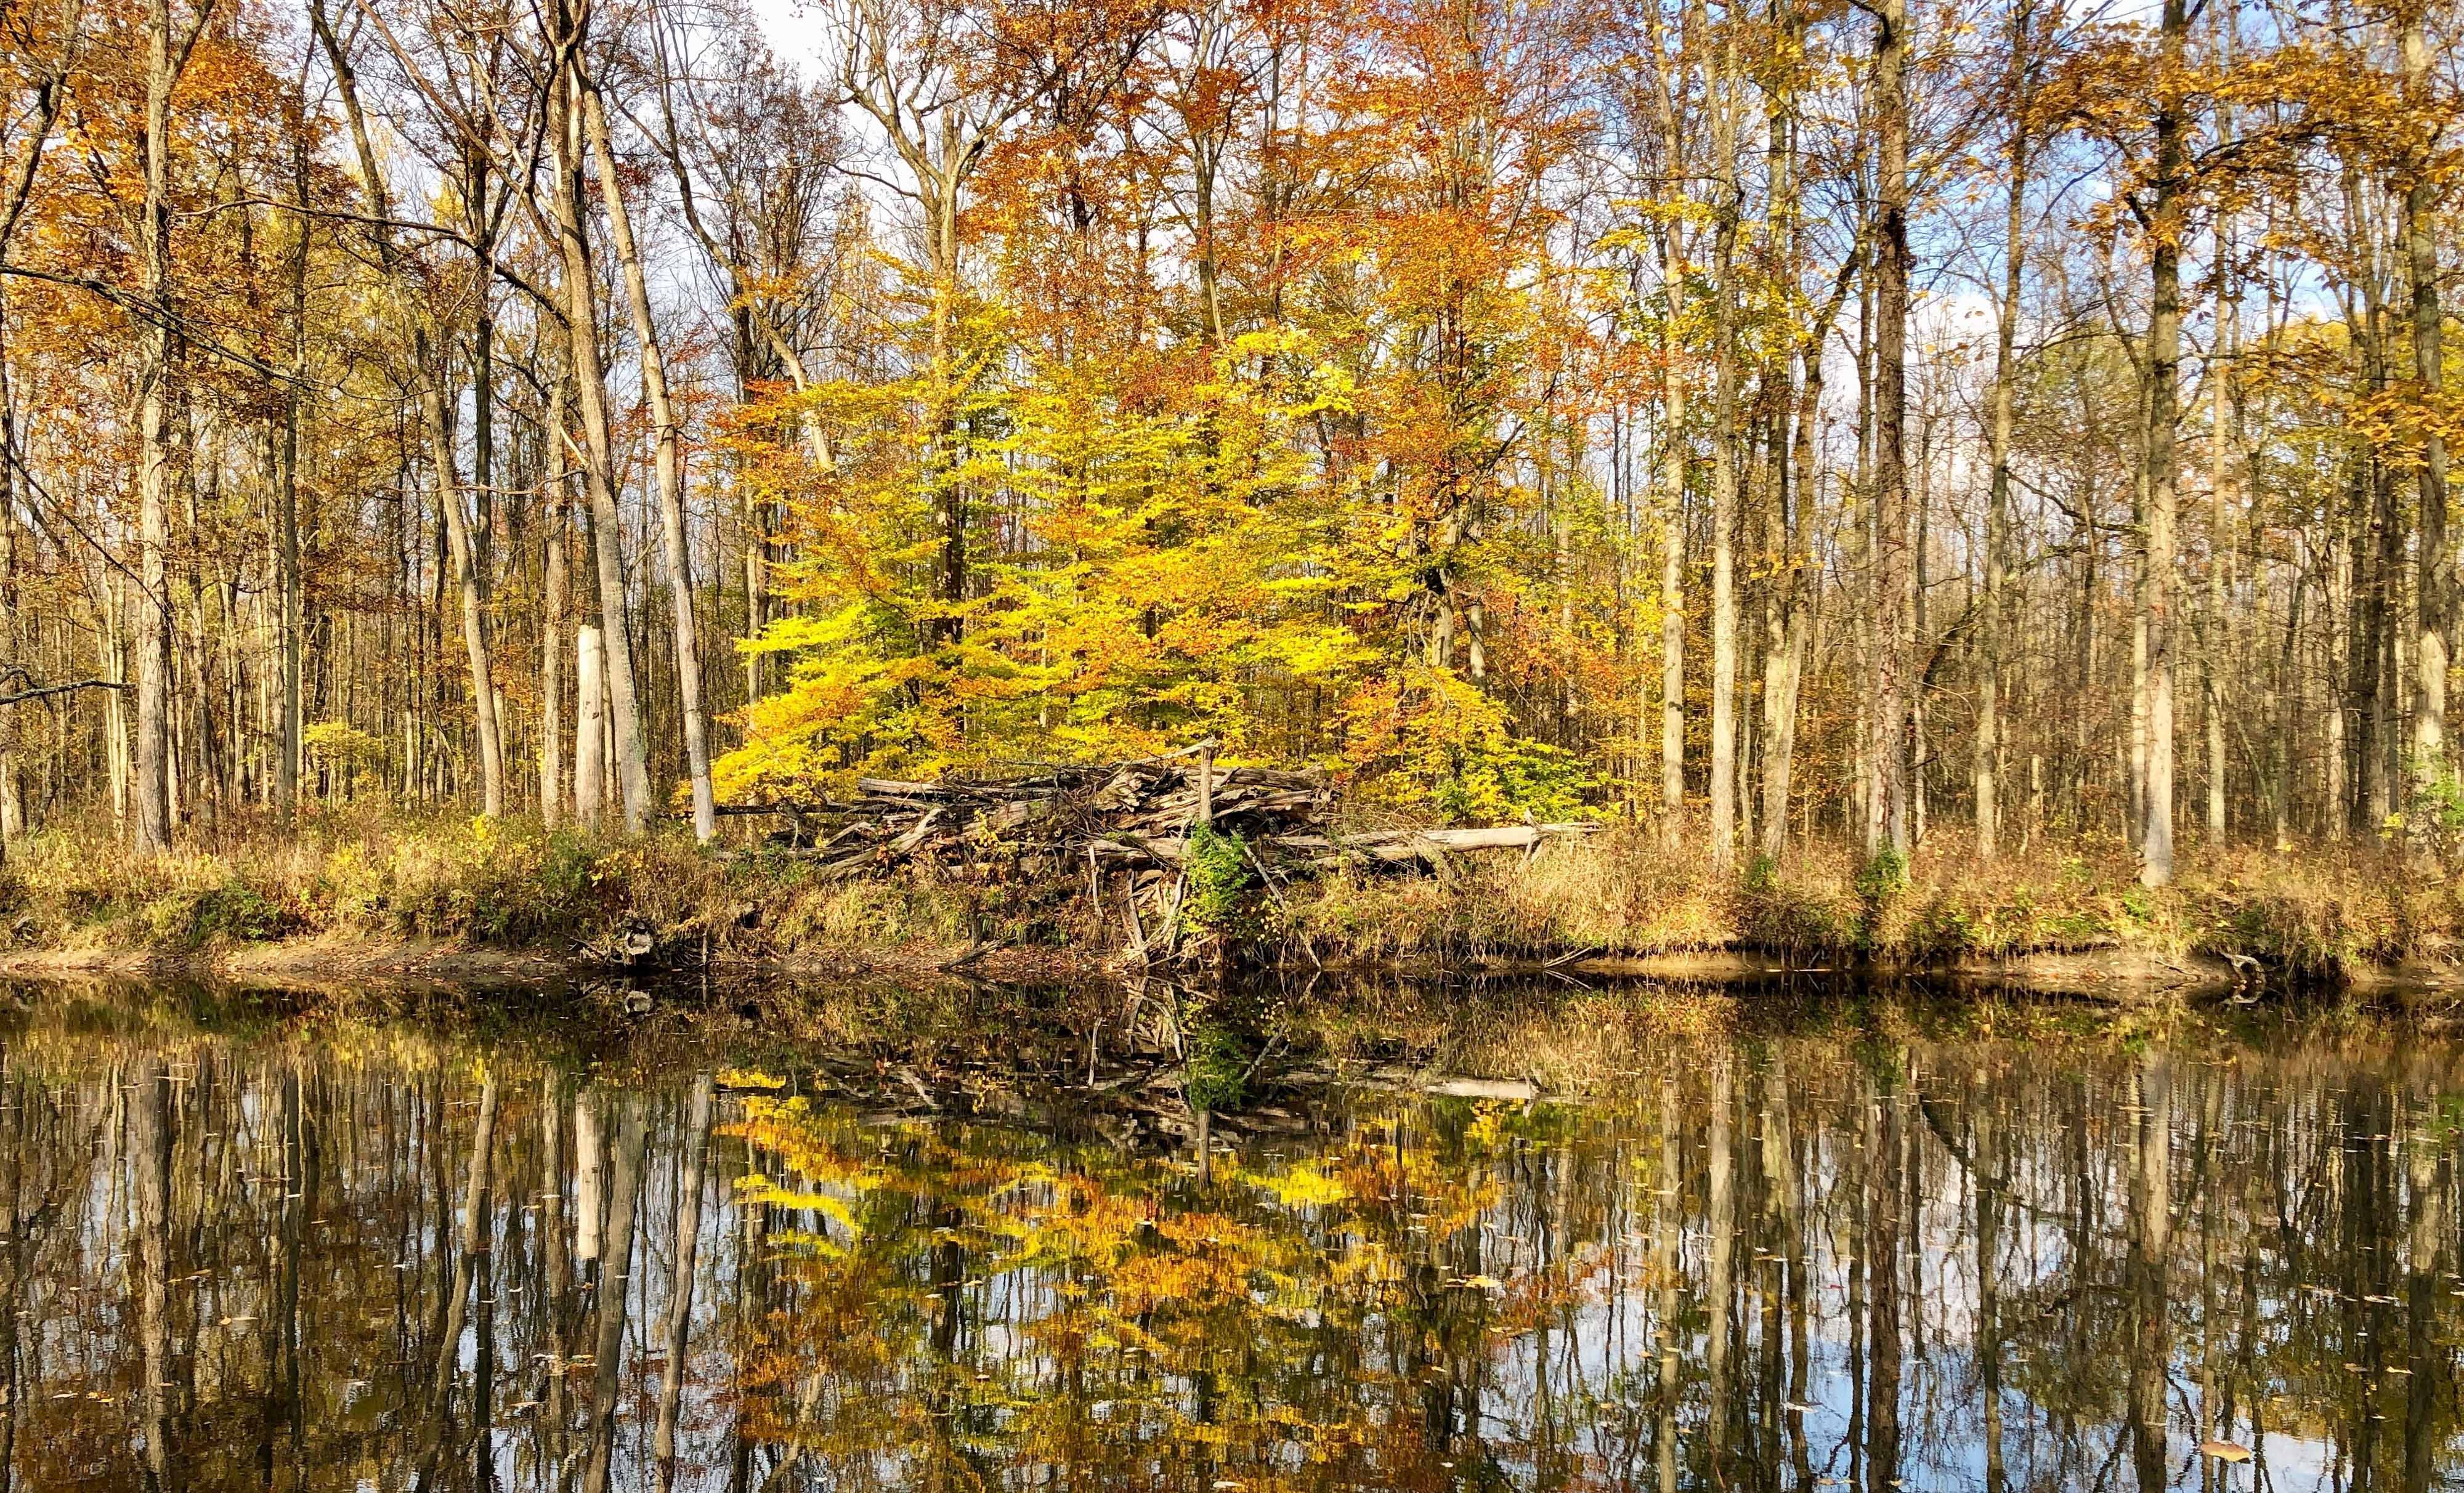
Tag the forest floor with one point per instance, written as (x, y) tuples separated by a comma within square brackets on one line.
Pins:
[(359, 896)]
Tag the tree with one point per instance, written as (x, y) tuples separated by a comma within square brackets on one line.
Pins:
[(1894, 576)]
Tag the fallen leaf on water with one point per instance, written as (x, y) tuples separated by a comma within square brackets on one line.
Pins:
[(2225, 1450)]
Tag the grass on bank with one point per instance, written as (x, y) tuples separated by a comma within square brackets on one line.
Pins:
[(504, 884), (2318, 912), (2315, 913)]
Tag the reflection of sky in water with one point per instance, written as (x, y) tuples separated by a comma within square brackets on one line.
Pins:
[(820, 1353)]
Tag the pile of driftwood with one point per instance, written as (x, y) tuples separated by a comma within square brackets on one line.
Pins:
[(1127, 827)]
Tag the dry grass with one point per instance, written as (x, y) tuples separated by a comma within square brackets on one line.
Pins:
[(2313, 913), (511, 884), (505, 884)]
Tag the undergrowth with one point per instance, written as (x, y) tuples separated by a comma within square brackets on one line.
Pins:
[(2317, 912), (489, 883)]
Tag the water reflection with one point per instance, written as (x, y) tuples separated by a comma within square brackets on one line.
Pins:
[(1870, 1258)]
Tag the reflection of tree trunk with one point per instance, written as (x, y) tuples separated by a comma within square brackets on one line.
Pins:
[(1986, 1175), (615, 1271), (1723, 1224), (482, 1441), (2369, 1209), (752, 1286), (1766, 1239), (1779, 1159), (556, 1267), (1882, 1291), (149, 1120), (1860, 1189), (680, 1284), (449, 1346), (2422, 1357), (2206, 1187), (283, 1408), (12, 1285), (2150, 1237), (589, 1165), (1663, 1438)]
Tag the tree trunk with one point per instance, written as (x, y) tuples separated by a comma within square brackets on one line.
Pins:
[(1997, 512), (467, 579), (286, 767), (598, 466), (2220, 474), (1672, 604), (2434, 584), (1725, 457), (669, 461), (1779, 750), (152, 784), (1886, 815), (552, 622), (591, 728), (14, 629), (2163, 366)]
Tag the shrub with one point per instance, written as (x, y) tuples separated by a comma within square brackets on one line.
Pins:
[(1217, 865)]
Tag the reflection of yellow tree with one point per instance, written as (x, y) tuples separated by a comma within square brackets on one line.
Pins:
[(971, 1298)]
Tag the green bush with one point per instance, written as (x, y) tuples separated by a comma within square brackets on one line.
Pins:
[(1883, 877), (1218, 866)]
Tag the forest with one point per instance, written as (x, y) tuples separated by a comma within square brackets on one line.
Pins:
[(2017, 425)]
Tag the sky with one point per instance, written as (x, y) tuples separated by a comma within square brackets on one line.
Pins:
[(793, 29)]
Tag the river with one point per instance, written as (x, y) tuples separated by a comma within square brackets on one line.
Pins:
[(1835, 1238)]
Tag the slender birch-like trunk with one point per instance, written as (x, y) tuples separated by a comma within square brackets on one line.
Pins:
[(591, 728), (669, 461), (1997, 513), (597, 465), (152, 768), (1672, 606), (2435, 582), (1724, 484), (553, 584)]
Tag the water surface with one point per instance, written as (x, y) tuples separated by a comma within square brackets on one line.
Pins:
[(1855, 1243)]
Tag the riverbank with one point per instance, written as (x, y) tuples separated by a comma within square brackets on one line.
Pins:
[(459, 900)]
